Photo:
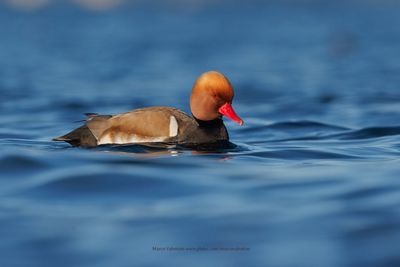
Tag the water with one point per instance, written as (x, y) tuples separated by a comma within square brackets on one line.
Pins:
[(312, 181)]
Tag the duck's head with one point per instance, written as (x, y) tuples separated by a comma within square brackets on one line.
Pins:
[(211, 98)]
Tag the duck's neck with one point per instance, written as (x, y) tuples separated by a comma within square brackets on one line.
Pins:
[(209, 124)]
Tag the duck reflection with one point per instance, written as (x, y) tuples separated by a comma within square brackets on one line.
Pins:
[(154, 150)]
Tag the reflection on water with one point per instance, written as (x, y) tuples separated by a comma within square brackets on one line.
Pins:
[(311, 179)]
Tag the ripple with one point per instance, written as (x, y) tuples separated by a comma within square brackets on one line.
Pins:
[(301, 154), (295, 125), (112, 184), (299, 185), (20, 163), (371, 132), (311, 134), (368, 193), (309, 126)]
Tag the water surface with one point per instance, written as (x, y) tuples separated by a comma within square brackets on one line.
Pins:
[(313, 178)]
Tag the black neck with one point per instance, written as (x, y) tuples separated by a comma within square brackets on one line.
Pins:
[(209, 124)]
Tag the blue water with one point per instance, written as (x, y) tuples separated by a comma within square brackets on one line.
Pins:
[(314, 177)]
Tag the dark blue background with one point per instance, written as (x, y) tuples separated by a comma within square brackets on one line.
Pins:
[(313, 181)]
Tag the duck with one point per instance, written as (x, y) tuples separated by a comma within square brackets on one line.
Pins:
[(210, 100)]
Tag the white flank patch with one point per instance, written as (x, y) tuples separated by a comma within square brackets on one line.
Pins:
[(132, 139), (173, 126), (104, 140)]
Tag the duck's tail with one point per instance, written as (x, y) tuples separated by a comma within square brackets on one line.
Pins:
[(81, 136)]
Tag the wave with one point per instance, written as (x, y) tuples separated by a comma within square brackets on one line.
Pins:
[(371, 132), (301, 154), (310, 130), (12, 162), (85, 183), (305, 124)]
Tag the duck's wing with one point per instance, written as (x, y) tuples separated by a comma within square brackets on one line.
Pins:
[(139, 126)]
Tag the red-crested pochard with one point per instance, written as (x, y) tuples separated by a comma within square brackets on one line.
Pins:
[(211, 98)]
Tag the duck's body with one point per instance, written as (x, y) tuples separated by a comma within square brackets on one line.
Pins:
[(147, 125), (211, 98)]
